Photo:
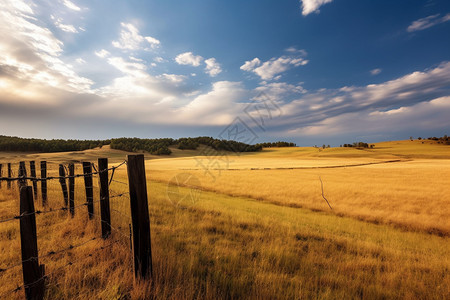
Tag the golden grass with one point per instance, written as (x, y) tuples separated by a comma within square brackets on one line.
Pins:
[(249, 237)]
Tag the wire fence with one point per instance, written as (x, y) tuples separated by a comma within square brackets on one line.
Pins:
[(119, 203)]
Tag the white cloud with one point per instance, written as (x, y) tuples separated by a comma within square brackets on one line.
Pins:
[(135, 69), (418, 117), (310, 6), (427, 22), (80, 61), (187, 58), (276, 90), (173, 77), (375, 71), (216, 107), (130, 39), (40, 62), (250, 65), (71, 5), (212, 67), (66, 27), (158, 59), (269, 69), (318, 112), (102, 53)]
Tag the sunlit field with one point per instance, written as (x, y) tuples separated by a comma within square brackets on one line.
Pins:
[(258, 228)]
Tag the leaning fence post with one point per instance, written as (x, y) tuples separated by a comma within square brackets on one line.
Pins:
[(22, 174), (62, 181), (87, 170), (105, 214), (33, 175), (140, 218), (72, 189), (8, 183), (33, 273), (44, 182)]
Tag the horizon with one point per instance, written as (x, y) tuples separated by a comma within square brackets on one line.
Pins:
[(308, 72)]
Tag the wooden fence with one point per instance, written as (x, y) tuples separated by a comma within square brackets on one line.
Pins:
[(34, 277)]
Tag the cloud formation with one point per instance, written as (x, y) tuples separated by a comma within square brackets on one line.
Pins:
[(428, 22), (310, 6), (131, 39), (375, 71), (269, 69), (188, 58), (212, 67), (71, 5), (326, 107)]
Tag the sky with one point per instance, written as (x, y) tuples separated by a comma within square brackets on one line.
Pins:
[(308, 71)]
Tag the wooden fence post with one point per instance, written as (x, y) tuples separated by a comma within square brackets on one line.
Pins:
[(62, 181), (140, 218), (22, 174), (8, 183), (105, 213), (33, 175), (72, 189), (33, 273), (44, 182), (87, 170)]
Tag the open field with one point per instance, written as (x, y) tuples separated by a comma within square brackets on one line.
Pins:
[(260, 229)]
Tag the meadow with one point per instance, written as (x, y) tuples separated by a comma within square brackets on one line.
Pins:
[(256, 226)]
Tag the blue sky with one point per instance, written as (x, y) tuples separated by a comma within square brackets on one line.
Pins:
[(309, 71)]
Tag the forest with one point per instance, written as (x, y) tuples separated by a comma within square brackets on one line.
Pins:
[(154, 146)]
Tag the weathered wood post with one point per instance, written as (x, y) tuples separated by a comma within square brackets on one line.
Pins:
[(140, 218), (62, 181), (33, 273), (88, 185), (8, 183), (44, 182), (34, 181), (105, 213), (72, 189), (22, 174)]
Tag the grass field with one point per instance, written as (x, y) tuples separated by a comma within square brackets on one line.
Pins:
[(259, 228)]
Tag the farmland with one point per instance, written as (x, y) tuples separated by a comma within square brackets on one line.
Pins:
[(257, 227)]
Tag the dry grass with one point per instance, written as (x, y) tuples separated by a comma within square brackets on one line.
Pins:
[(257, 243)]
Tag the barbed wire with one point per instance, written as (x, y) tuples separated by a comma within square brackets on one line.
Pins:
[(52, 210), (121, 213), (50, 253), (70, 263), (61, 177)]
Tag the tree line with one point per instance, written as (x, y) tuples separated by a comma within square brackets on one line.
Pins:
[(8, 143), (154, 146), (277, 144), (359, 145)]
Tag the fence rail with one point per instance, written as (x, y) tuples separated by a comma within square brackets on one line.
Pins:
[(34, 276)]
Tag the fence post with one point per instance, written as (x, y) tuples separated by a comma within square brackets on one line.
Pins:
[(62, 181), (33, 273), (44, 182), (104, 197), (140, 218), (8, 183), (33, 175), (72, 189), (22, 174), (87, 170)]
